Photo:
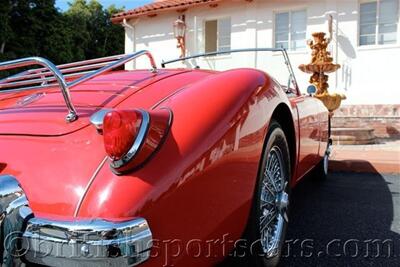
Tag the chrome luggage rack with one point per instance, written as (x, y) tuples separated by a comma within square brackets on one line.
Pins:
[(66, 75)]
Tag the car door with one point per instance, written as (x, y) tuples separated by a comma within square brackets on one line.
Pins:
[(309, 133)]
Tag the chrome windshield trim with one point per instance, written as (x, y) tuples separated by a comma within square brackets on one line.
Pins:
[(144, 126), (261, 49), (216, 53)]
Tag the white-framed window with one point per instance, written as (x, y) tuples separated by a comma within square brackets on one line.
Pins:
[(378, 22), (290, 29), (217, 35)]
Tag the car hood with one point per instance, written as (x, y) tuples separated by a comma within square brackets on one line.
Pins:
[(43, 112)]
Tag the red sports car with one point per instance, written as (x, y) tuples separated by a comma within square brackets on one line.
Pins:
[(163, 167)]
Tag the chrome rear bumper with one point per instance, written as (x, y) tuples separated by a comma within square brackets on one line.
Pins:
[(68, 243), (88, 243)]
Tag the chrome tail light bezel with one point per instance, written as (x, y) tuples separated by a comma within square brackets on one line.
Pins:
[(124, 164), (139, 141)]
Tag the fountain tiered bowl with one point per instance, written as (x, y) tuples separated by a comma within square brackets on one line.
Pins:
[(325, 67)]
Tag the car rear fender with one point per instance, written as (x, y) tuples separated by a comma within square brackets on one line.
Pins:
[(206, 168)]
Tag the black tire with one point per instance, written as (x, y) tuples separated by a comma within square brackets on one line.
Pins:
[(257, 252)]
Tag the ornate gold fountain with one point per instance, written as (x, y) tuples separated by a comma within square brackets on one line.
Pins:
[(321, 63)]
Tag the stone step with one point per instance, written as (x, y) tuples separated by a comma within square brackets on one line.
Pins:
[(353, 136)]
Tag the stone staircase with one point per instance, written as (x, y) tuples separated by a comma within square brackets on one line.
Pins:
[(353, 136), (364, 122)]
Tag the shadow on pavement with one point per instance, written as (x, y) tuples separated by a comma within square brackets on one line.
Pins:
[(351, 219)]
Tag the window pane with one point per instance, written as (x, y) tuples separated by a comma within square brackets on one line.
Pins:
[(299, 18), (282, 45), (224, 26), (282, 30), (224, 34), (368, 18), (211, 36), (387, 28), (367, 39), (224, 48), (281, 37), (224, 41), (299, 42), (368, 12), (298, 29), (368, 7), (367, 29), (387, 38), (297, 45), (282, 22), (388, 10)]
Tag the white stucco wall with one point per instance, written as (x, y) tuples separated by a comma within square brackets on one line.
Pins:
[(369, 75)]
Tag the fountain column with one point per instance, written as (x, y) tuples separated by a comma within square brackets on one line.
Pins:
[(321, 63)]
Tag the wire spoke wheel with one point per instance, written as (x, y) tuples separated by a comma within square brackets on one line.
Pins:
[(274, 202), (268, 220)]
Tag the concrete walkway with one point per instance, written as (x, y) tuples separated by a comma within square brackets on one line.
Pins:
[(379, 158)]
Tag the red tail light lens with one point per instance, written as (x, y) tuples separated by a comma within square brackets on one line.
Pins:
[(120, 130), (131, 137)]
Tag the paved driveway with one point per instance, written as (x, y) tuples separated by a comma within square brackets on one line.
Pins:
[(349, 220)]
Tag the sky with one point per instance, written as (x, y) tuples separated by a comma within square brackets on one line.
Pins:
[(128, 4)]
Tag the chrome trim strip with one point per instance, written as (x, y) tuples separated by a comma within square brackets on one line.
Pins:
[(78, 206), (87, 242), (144, 126)]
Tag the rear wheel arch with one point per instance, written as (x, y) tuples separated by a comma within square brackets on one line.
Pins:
[(282, 115)]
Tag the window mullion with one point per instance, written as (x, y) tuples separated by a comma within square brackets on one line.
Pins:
[(290, 31), (398, 24), (218, 34), (377, 22)]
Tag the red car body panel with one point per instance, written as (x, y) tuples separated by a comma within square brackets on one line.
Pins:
[(199, 185)]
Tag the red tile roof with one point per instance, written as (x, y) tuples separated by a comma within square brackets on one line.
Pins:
[(155, 7)]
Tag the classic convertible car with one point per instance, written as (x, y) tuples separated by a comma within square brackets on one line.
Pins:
[(163, 167)]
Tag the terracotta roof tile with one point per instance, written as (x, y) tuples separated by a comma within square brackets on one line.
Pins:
[(159, 6)]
